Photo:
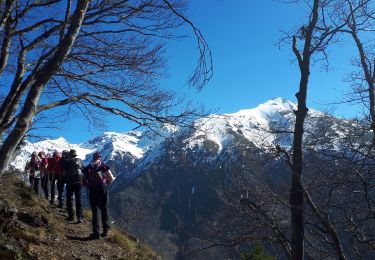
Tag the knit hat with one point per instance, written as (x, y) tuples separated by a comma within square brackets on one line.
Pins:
[(96, 156)]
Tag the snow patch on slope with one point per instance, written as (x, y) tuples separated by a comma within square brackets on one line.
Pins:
[(47, 146), (254, 124)]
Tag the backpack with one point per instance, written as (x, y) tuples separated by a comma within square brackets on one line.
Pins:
[(96, 176), (34, 168), (74, 170)]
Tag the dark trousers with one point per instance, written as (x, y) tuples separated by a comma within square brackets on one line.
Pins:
[(99, 200), (44, 184), (76, 189), (31, 180), (58, 181), (36, 182)]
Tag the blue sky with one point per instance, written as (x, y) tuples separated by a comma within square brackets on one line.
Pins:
[(249, 67)]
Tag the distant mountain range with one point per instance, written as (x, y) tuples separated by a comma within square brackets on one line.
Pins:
[(167, 179)]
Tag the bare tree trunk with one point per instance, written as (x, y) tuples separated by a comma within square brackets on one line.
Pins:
[(5, 22), (324, 219), (8, 107), (6, 14), (11, 102), (4, 53), (41, 79), (296, 193), (369, 80)]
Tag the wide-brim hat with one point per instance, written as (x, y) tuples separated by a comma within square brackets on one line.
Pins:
[(73, 153)]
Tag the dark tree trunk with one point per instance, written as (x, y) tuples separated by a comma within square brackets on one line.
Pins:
[(369, 80), (41, 79), (10, 103), (4, 53), (296, 193), (6, 12)]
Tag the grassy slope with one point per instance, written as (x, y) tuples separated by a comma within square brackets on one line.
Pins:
[(32, 229)]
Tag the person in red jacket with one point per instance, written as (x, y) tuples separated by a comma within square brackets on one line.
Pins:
[(96, 177), (33, 167), (56, 178), (44, 172)]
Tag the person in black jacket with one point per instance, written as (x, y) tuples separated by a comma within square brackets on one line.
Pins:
[(74, 168)]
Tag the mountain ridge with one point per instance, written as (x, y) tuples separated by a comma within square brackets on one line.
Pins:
[(135, 144), (170, 188)]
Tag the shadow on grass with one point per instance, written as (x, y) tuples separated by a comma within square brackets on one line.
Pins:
[(78, 238)]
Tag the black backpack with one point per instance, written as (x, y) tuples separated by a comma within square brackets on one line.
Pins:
[(74, 170)]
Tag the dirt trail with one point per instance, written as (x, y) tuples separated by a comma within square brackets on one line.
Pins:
[(33, 229)]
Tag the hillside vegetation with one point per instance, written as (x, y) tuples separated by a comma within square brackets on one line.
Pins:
[(30, 228)]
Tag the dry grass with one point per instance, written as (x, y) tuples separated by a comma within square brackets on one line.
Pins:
[(87, 213), (39, 226), (42, 235), (56, 227), (27, 196), (123, 241), (133, 247), (27, 235), (8, 253)]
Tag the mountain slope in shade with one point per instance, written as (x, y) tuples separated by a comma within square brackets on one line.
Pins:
[(167, 200), (167, 179)]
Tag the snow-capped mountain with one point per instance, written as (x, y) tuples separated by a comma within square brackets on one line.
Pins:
[(120, 150), (48, 146), (132, 151), (167, 178), (171, 195), (253, 124)]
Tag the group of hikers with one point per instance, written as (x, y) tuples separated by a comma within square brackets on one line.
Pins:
[(66, 169)]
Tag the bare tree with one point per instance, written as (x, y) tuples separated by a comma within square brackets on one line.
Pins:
[(310, 43), (105, 55), (360, 17), (315, 38), (333, 211)]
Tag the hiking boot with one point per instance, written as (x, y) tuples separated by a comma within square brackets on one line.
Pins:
[(51, 202), (94, 236), (61, 205), (70, 218), (104, 234), (79, 220)]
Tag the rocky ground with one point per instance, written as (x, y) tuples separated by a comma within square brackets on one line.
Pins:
[(30, 228)]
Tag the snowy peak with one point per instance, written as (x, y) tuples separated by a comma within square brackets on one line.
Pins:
[(250, 123), (212, 133), (51, 145), (47, 146), (267, 109), (254, 125), (111, 144), (120, 150)]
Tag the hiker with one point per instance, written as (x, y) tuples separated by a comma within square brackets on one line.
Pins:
[(31, 177), (33, 167), (62, 179), (96, 177), (73, 167), (44, 172), (54, 169)]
